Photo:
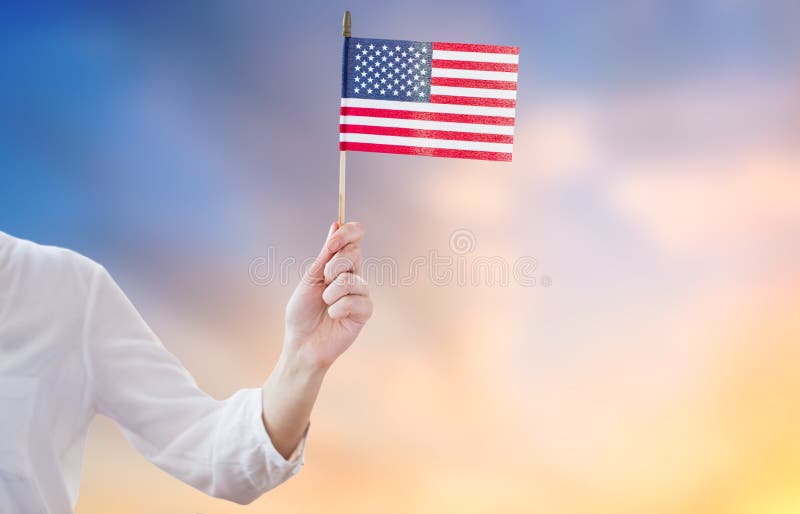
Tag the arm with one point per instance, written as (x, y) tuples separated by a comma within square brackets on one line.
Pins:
[(240, 447), (323, 318)]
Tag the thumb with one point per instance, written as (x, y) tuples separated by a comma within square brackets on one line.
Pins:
[(316, 272)]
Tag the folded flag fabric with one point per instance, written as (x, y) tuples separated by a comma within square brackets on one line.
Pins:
[(428, 98)]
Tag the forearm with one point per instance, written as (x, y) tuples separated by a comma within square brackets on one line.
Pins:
[(288, 397)]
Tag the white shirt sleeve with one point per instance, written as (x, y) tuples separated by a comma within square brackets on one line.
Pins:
[(219, 447)]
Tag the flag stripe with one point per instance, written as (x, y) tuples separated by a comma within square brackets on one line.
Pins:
[(425, 143), (474, 56), (483, 84), (427, 116), (428, 107), (472, 65), (473, 74), (465, 47), (468, 100), (432, 134), (427, 125), (431, 152), (473, 92)]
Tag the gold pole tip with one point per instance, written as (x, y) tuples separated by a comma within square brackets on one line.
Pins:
[(346, 24)]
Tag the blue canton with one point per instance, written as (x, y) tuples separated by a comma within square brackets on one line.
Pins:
[(387, 69)]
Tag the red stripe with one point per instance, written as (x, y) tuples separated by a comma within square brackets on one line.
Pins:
[(429, 134), (431, 152), (429, 116), (474, 65), (463, 47), (483, 84), (472, 100)]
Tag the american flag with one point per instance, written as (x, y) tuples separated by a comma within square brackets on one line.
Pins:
[(428, 98)]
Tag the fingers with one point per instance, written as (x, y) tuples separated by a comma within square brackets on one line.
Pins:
[(356, 307), (338, 237), (346, 260), (345, 284), (349, 233), (315, 272)]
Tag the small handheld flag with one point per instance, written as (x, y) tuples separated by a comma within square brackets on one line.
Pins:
[(426, 98)]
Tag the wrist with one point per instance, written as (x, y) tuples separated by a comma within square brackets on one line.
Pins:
[(297, 361)]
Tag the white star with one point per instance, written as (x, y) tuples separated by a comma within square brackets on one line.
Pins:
[(403, 54), (397, 48), (369, 79), (391, 53), (416, 66), (377, 74), (421, 82), (363, 84), (358, 45), (422, 72), (423, 61), (402, 87), (416, 55), (385, 47), (396, 81), (372, 47), (408, 82), (383, 81), (410, 48), (421, 93), (364, 52), (356, 90), (370, 68), (424, 49), (383, 91), (358, 57), (377, 52), (403, 64), (403, 76), (383, 69), (394, 92), (415, 88), (391, 64), (358, 68), (390, 75), (369, 91), (410, 60), (383, 58), (408, 93), (396, 59), (363, 73)]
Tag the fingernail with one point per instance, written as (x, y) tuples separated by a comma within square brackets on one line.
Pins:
[(330, 230)]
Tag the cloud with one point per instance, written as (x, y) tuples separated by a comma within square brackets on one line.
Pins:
[(729, 201)]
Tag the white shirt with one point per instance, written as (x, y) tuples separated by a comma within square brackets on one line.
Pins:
[(71, 346)]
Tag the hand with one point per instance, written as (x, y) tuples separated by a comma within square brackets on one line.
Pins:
[(331, 304), (323, 318)]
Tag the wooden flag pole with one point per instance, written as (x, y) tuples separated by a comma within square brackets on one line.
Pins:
[(341, 186), (342, 175)]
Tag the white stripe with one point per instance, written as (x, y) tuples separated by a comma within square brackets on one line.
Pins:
[(509, 76), (506, 112), (425, 142), (450, 55), (474, 91), (476, 128)]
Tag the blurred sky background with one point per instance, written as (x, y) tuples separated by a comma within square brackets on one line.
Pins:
[(655, 180)]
